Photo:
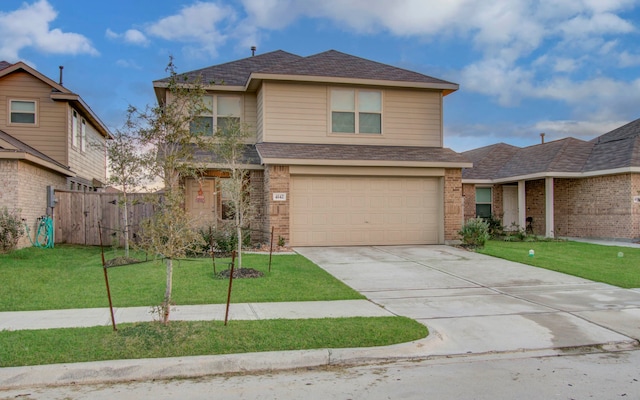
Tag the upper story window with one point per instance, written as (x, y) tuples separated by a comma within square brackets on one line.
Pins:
[(75, 137), (221, 112), (83, 135), (23, 112), (356, 111)]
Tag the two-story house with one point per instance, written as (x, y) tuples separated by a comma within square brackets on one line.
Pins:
[(347, 151), (48, 137)]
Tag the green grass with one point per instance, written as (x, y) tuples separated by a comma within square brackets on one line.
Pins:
[(591, 261), (153, 340), (72, 277)]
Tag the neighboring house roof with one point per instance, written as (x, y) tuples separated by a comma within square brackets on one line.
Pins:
[(329, 66), (611, 152), (339, 154), (12, 148), (59, 93)]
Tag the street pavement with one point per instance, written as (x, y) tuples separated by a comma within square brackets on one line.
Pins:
[(471, 303)]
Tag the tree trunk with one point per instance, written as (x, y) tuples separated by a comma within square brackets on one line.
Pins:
[(239, 233), (166, 305)]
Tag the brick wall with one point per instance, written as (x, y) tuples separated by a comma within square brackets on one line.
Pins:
[(535, 204), (469, 193), (23, 186), (276, 180), (497, 205), (256, 201), (598, 207), (452, 203)]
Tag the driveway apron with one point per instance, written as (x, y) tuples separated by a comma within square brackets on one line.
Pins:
[(474, 303)]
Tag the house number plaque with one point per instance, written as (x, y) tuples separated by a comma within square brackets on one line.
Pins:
[(279, 197)]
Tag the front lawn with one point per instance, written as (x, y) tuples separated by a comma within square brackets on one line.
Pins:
[(619, 266), (72, 277), (180, 338)]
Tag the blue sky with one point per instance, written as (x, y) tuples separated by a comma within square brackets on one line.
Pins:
[(563, 67)]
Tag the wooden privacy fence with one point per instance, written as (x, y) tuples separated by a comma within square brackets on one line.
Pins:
[(76, 217)]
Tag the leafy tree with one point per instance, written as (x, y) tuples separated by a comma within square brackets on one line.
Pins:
[(126, 166), (164, 132), (229, 147)]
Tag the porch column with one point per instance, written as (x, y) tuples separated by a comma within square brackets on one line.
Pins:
[(548, 193), (522, 205)]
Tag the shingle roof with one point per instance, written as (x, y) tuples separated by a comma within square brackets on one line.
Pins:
[(327, 64), (487, 161), (619, 148), (249, 155), (357, 152), (23, 147), (236, 73), (4, 64), (333, 63)]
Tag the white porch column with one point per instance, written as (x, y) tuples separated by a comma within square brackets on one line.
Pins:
[(548, 194), (522, 205)]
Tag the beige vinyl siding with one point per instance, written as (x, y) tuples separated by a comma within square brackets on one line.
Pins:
[(413, 117), (299, 113), (49, 133), (295, 113), (91, 162), (250, 117), (259, 115)]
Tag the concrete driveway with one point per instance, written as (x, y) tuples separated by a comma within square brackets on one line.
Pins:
[(473, 303)]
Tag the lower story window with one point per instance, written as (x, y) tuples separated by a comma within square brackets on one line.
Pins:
[(483, 202)]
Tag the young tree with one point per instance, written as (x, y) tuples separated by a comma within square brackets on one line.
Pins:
[(165, 133), (229, 147), (126, 167)]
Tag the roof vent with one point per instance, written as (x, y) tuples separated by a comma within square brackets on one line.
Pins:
[(253, 51), (542, 138), (61, 68)]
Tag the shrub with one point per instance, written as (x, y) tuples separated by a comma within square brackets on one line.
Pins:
[(495, 226), (475, 233), (11, 229)]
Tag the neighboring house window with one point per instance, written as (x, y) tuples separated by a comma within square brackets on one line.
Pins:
[(483, 202), (83, 135), (23, 112), (221, 112), (356, 111), (74, 129)]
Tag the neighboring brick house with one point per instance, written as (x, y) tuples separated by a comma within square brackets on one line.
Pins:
[(48, 137), (566, 188), (347, 151)]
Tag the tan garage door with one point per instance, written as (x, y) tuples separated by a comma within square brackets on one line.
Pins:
[(334, 211)]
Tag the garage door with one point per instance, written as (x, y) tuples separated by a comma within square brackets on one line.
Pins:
[(342, 210)]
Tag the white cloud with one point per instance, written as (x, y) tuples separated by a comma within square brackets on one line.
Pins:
[(128, 64), (629, 60), (29, 26), (198, 24), (132, 36)]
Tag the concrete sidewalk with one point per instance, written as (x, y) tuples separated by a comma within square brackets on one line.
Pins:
[(86, 317)]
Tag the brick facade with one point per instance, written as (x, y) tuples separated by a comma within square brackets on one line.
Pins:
[(453, 212), (277, 180), (256, 203), (596, 207), (24, 188)]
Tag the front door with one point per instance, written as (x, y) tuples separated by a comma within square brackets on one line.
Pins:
[(201, 201), (510, 207)]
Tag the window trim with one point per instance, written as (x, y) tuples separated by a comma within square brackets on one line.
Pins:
[(214, 110), (83, 135), (36, 106), (356, 112), (490, 202), (74, 129)]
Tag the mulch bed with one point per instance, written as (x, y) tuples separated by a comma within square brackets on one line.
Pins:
[(240, 273)]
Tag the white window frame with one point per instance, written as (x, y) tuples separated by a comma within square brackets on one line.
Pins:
[(83, 135), (214, 110), (356, 111), (35, 112), (490, 202), (74, 128)]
